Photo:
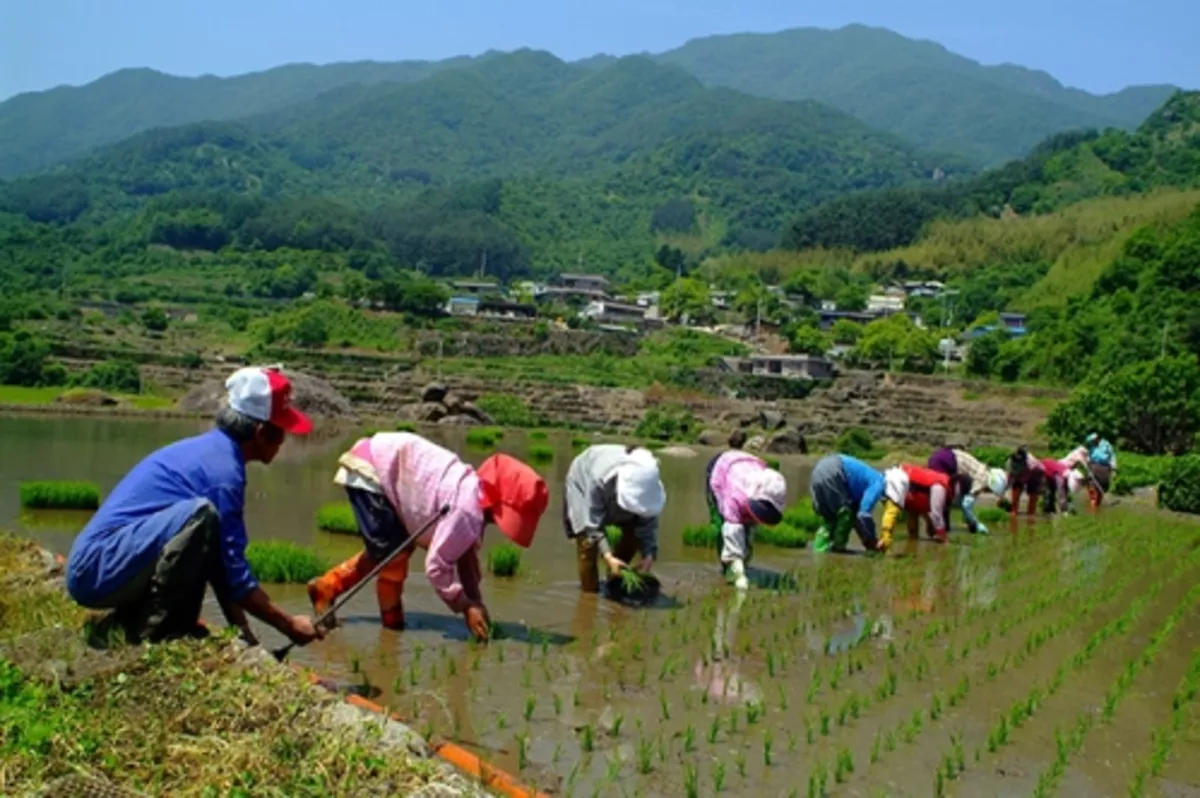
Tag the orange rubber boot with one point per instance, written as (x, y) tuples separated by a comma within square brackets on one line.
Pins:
[(389, 590), (324, 590)]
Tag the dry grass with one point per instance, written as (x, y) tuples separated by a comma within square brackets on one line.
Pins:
[(186, 718)]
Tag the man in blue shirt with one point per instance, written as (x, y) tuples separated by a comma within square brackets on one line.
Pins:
[(174, 525), (844, 493)]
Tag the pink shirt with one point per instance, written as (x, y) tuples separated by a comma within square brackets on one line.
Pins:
[(731, 485), (418, 477)]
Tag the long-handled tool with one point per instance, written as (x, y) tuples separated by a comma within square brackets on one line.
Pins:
[(282, 652)]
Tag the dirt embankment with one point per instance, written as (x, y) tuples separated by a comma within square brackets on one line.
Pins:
[(899, 410)]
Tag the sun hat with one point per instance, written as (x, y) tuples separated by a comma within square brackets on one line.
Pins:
[(639, 488), (515, 496)]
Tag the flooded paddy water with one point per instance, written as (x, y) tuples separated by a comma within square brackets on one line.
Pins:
[(1046, 658)]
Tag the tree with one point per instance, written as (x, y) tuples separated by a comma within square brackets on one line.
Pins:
[(311, 332), (983, 353), (155, 320), (852, 297), (117, 376), (25, 360), (1151, 407), (808, 340), (687, 297), (846, 332)]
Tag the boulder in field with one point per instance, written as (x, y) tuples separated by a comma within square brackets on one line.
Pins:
[(433, 392)]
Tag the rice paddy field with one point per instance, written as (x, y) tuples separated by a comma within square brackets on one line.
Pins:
[(1057, 656)]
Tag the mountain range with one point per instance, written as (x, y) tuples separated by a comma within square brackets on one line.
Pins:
[(915, 90)]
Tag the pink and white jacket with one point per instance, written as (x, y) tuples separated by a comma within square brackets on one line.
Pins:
[(738, 477), (418, 477)]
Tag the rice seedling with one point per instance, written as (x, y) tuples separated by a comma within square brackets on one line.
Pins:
[(714, 729), (754, 712), (59, 495), (664, 705), (689, 739), (530, 706), (337, 517), (540, 453), (484, 437), (405, 426), (691, 781), (279, 562), (501, 721), (701, 536), (645, 756), (718, 776), (739, 760), (538, 435), (876, 743), (768, 744), (522, 741), (504, 560), (618, 719), (588, 740), (844, 766)]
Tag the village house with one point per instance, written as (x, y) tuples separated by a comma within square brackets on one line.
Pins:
[(810, 367)]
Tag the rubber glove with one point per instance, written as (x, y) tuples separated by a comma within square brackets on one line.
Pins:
[(738, 570)]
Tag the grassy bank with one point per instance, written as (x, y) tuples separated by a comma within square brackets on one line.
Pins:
[(188, 718), (18, 395)]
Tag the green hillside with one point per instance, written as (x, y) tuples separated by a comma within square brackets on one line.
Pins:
[(1163, 151), (521, 159), (917, 90)]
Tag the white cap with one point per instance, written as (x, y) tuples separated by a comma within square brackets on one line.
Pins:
[(997, 481), (639, 489), (896, 485)]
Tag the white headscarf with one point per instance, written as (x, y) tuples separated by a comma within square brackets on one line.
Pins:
[(896, 485), (997, 481), (639, 489)]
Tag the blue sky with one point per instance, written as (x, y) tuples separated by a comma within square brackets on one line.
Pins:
[(1099, 45)]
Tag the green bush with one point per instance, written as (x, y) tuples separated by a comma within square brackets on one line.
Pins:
[(666, 423), (506, 410), (114, 376), (580, 443), (1138, 471), (337, 517), (857, 442), (281, 561), (405, 426), (484, 437), (539, 435), (541, 453), (701, 536), (992, 456), (1180, 488), (504, 560), (772, 462), (58, 495)]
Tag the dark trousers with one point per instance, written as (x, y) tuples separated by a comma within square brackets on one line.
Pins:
[(163, 601)]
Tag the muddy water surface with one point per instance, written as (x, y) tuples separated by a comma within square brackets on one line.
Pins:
[(860, 677)]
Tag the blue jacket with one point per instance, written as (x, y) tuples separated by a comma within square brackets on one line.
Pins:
[(1102, 453), (866, 484), (150, 506)]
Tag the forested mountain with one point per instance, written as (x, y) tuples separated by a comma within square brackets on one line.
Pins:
[(523, 157), (1163, 151), (916, 90)]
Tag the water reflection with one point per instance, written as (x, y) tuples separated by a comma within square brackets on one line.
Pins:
[(721, 675)]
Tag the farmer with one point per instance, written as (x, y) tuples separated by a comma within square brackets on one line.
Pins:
[(742, 492), (969, 478), (613, 485), (844, 493), (1025, 475), (1060, 484), (1098, 458), (174, 525), (926, 495), (397, 482)]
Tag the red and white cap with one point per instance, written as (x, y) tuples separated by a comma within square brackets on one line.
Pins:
[(265, 394)]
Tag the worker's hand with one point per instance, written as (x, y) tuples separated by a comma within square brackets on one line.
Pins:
[(645, 564), (614, 565), (478, 622), (303, 631)]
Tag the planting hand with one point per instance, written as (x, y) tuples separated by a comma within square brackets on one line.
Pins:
[(303, 631), (478, 622), (645, 565), (614, 565)]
